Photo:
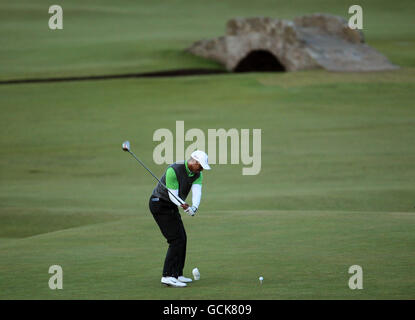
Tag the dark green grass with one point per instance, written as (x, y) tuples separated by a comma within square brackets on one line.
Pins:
[(103, 37), (336, 187)]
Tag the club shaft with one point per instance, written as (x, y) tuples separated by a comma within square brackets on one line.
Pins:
[(145, 167)]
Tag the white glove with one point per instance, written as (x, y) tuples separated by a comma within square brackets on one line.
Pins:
[(191, 211)]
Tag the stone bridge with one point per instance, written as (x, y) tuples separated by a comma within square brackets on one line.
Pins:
[(308, 42)]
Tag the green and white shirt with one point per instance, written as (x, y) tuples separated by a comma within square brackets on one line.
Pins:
[(173, 185)]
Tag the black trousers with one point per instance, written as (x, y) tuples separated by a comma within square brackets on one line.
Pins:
[(171, 226)]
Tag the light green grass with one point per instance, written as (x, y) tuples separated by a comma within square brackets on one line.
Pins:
[(336, 187), (300, 254)]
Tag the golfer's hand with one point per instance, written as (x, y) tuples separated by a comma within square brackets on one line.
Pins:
[(191, 211), (184, 206)]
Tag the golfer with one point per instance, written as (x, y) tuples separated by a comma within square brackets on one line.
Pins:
[(180, 178)]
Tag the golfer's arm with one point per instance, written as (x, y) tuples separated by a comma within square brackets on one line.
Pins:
[(173, 186), (197, 191), (173, 199), (196, 194)]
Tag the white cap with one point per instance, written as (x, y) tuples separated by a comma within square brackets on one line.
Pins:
[(202, 158)]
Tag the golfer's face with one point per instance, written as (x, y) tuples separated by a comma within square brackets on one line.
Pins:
[(198, 167)]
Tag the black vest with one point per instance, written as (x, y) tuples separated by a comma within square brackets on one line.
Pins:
[(185, 182)]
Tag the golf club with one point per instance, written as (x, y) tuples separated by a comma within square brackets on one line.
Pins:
[(126, 147)]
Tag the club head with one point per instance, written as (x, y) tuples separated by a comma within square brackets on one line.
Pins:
[(126, 145)]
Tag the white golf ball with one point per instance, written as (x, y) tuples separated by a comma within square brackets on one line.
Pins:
[(261, 278)]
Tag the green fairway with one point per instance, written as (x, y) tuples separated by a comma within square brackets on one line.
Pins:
[(336, 186), (300, 254)]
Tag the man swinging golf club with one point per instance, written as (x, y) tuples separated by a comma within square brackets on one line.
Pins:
[(179, 178)]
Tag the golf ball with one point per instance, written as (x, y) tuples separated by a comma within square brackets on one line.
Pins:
[(261, 278)]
